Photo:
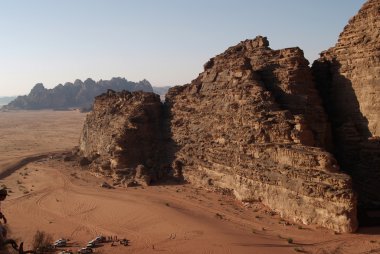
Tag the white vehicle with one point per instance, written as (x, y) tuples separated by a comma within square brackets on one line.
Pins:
[(100, 239), (60, 243), (91, 244)]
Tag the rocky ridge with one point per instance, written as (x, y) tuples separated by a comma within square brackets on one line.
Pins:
[(253, 123), (348, 77), (78, 94), (259, 123)]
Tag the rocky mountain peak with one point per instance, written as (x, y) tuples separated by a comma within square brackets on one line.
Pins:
[(37, 88)]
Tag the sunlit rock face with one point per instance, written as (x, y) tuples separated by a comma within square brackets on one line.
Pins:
[(121, 136), (253, 124)]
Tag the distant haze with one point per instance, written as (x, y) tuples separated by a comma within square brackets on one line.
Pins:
[(6, 100), (167, 42), (79, 94)]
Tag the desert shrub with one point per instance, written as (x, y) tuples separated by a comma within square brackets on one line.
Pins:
[(41, 242)]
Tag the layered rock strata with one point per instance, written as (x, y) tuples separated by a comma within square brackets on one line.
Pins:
[(253, 123), (121, 136), (348, 77)]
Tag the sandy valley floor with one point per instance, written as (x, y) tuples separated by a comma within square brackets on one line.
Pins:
[(65, 201)]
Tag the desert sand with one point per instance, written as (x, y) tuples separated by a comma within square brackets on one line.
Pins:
[(66, 201)]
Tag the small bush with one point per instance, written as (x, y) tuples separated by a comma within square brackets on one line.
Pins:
[(219, 216), (41, 241), (290, 240)]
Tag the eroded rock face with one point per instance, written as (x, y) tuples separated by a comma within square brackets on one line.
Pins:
[(121, 136), (348, 77), (252, 123)]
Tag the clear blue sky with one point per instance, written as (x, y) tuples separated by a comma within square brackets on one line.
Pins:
[(164, 41)]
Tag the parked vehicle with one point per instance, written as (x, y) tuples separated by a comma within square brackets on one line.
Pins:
[(66, 252), (60, 240), (124, 242), (100, 239), (85, 251), (60, 243), (91, 244)]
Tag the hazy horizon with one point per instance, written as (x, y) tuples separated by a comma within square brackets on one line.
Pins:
[(165, 42), (72, 81)]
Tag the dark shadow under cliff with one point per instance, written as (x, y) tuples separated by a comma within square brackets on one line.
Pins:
[(357, 152)]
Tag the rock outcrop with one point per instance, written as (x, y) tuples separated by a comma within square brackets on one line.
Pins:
[(259, 123), (348, 77), (74, 95), (121, 136), (253, 124)]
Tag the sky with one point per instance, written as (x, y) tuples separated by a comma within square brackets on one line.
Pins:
[(164, 41)]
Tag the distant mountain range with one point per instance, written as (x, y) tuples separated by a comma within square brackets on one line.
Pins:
[(6, 100), (74, 95)]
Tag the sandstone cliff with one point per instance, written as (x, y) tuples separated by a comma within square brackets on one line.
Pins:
[(253, 123), (121, 136), (348, 77), (78, 94)]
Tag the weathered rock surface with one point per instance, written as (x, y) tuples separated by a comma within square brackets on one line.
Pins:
[(253, 123), (121, 136), (78, 94), (348, 77)]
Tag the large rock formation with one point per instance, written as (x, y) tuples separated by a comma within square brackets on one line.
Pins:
[(348, 77), (252, 123), (121, 136), (78, 94)]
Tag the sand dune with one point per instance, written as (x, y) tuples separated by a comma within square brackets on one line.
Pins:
[(66, 201)]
